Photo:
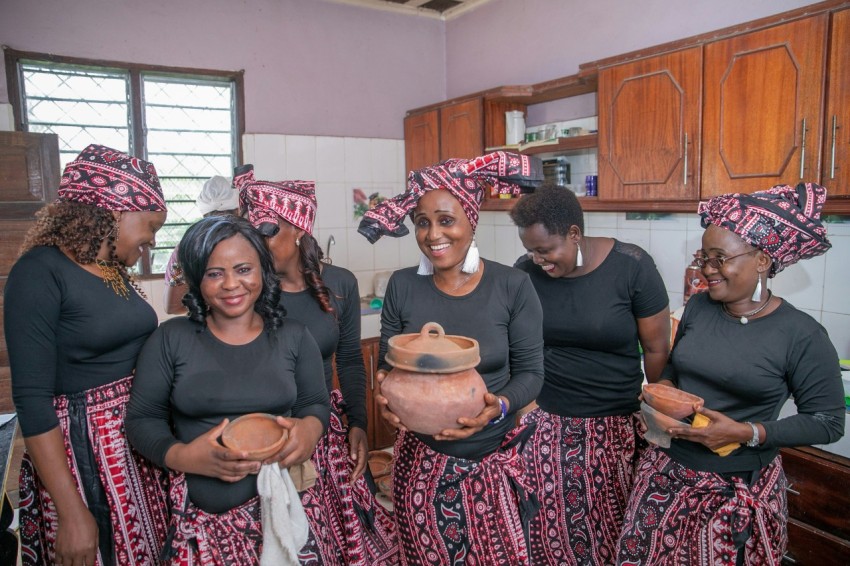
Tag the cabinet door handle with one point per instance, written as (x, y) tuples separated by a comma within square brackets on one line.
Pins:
[(371, 372), (685, 177), (791, 491), (832, 149), (803, 151), (787, 558)]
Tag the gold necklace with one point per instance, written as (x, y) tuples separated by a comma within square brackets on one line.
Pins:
[(112, 277), (463, 282), (745, 318)]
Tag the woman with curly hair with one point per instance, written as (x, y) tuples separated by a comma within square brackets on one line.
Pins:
[(601, 298), (233, 354), (351, 526), (75, 323)]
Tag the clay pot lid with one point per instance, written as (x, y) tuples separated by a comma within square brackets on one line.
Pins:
[(431, 350), (380, 463), (258, 434)]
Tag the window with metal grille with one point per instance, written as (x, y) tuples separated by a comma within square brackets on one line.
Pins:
[(187, 122)]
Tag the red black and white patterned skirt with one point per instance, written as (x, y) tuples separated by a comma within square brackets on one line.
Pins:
[(124, 492), (232, 538), (347, 524), (679, 516), (453, 512), (581, 470)]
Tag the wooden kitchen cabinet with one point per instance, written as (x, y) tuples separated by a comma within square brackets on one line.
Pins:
[(422, 139), (449, 131), (381, 434), (836, 146), (818, 500), (462, 130), (649, 134), (763, 94)]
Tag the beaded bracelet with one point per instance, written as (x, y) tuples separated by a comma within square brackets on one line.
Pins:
[(504, 407)]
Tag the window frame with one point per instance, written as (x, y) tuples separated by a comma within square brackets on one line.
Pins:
[(136, 101)]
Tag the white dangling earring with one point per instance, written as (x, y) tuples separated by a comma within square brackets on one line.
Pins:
[(425, 265), (579, 258), (470, 264), (297, 241), (757, 293)]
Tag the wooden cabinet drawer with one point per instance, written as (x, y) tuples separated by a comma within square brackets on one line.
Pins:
[(807, 545), (818, 493)]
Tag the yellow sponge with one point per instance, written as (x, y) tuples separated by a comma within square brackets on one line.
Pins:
[(701, 421)]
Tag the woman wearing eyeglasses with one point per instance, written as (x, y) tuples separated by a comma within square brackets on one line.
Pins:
[(745, 351)]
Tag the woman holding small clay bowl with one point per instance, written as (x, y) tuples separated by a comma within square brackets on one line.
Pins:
[(744, 351), (457, 494), (234, 354)]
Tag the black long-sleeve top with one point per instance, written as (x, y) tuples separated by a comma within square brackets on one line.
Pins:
[(188, 381), (748, 371), (66, 332), (590, 332), (503, 313), (336, 333)]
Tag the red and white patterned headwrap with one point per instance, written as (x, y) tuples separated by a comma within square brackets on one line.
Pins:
[(784, 221), (265, 201), (466, 179), (109, 179)]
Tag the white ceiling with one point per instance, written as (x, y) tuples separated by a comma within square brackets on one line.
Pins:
[(439, 9)]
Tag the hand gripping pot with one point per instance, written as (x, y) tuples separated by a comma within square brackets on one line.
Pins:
[(433, 381)]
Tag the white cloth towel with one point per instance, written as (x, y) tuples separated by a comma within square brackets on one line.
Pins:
[(285, 525)]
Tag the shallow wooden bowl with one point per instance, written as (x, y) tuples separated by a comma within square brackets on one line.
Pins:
[(671, 401), (385, 485), (258, 434), (380, 463)]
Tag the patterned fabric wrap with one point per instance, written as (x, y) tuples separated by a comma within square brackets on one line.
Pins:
[(783, 221), (265, 201), (466, 179), (173, 271), (107, 178), (347, 525), (196, 538), (582, 471), (679, 516), (134, 487), (453, 512)]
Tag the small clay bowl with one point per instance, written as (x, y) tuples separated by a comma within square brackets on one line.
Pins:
[(380, 463), (385, 485), (657, 424), (670, 401), (258, 434)]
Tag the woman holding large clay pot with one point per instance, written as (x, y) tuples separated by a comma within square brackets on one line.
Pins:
[(457, 494), (745, 351)]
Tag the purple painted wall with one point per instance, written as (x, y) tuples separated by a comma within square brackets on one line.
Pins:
[(508, 42), (311, 67)]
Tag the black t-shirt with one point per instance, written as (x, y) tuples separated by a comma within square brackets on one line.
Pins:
[(338, 335), (67, 331), (590, 332), (748, 371), (187, 381), (502, 313)]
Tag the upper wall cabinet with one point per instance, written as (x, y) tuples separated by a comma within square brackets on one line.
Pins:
[(649, 135), (835, 173), (422, 139), (461, 130), (762, 121)]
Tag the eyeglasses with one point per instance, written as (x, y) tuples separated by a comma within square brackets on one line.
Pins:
[(701, 260)]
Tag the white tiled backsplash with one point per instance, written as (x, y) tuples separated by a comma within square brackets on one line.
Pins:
[(377, 165)]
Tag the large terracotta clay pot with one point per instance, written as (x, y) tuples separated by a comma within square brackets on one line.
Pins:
[(433, 381)]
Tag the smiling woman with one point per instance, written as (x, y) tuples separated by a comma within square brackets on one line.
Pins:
[(74, 328), (196, 373)]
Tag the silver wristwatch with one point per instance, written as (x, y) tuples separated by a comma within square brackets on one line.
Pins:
[(754, 441)]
